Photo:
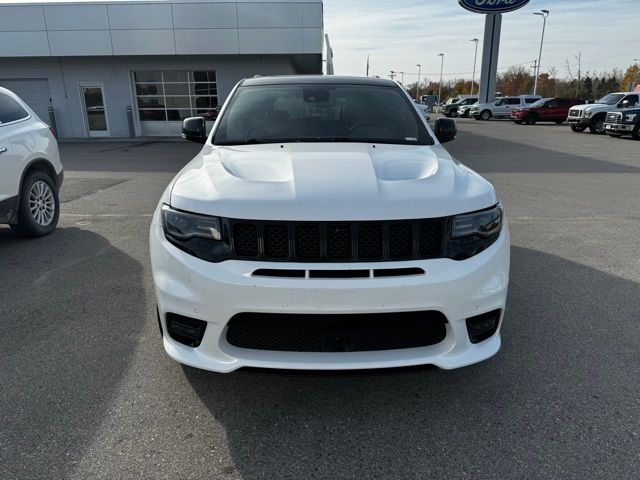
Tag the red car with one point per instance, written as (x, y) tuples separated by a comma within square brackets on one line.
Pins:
[(545, 110)]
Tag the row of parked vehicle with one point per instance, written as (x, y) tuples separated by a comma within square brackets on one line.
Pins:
[(616, 114)]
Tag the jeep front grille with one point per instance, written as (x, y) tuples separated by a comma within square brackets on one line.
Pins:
[(337, 241)]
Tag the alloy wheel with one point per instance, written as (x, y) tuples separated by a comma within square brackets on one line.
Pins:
[(41, 203)]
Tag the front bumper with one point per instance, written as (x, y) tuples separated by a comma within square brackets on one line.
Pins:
[(215, 292), (579, 121), (619, 127)]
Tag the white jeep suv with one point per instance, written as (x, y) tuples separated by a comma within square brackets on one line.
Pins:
[(501, 107), (323, 226), (593, 115), (30, 169)]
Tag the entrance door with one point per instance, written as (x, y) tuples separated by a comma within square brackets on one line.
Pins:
[(94, 111)]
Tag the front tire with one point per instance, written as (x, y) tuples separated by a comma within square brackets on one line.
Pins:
[(578, 129), (636, 133), (597, 125), (486, 115), (530, 119), (39, 207)]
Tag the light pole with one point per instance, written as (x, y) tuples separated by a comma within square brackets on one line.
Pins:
[(402, 81), (441, 55), (475, 57), (418, 84), (544, 14)]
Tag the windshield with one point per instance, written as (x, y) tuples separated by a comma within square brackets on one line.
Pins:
[(611, 98), (540, 103), (321, 113)]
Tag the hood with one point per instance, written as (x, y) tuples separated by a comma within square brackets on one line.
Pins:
[(594, 106), (322, 181), (484, 105)]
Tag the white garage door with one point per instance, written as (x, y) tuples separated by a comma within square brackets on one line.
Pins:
[(34, 92)]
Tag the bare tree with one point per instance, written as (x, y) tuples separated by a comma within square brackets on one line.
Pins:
[(577, 77), (553, 75)]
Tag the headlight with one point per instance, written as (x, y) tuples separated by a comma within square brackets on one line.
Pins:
[(587, 114), (630, 117), (472, 233), (184, 226), (202, 236)]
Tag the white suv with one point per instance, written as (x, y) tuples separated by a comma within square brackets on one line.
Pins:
[(324, 226), (30, 169), (502, 107)]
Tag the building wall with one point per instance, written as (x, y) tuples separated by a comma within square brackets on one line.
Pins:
[(66, 73), (172, 27)]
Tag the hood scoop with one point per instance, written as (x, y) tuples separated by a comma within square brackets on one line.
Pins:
[(389, 167), (266, 166)]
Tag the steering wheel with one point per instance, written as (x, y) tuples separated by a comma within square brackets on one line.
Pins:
[(366, 123)]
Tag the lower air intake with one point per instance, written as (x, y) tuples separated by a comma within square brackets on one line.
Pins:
[(336, 332)]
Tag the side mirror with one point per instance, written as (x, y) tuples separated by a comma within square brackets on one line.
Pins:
[(194, 129), (445, 129), (623, 104), (497, 103)]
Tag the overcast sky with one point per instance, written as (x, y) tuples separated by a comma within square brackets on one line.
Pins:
[(402, 33)]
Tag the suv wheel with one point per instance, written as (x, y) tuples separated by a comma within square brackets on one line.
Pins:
[(577, 129), (39, 207), (559, 122), (485, 115), (531, 119), (636, 133), (597, 125)]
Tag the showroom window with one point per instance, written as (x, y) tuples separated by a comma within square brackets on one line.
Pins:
[(175, 95)]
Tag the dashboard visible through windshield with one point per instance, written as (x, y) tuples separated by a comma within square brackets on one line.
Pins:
[(320, 113)]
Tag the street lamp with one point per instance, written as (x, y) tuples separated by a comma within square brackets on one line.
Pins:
[(418, 84), (544, 14), (441, 55), (475, 57)]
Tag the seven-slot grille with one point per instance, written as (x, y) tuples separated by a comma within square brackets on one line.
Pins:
[(337, 241), (575, 113), (613, 117)]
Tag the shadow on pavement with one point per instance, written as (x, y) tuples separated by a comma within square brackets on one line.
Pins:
[(72, 306), (570, 338), (488, 154)]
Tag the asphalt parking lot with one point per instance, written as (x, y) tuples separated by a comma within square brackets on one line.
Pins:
[(87, 391)]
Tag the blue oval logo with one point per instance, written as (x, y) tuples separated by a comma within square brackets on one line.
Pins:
[(492, 6)]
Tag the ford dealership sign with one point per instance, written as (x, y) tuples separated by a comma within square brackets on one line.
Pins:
[(492, 6)]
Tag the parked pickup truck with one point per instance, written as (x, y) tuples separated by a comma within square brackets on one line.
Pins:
[(545, 110), (502, 107), (592, 116), (626, 122), (452, 109)]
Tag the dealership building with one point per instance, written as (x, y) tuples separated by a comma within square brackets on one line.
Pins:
[(137, 68)]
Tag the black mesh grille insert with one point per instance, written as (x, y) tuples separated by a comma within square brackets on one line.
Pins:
[(400, 240), (336, 242), (307, 241), (339, 241), (336, 333), (276, 241), (245, 239), (370, 241), (430, 238)]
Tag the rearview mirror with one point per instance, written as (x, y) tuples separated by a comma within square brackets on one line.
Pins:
[(445, 129), (194, 129)]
